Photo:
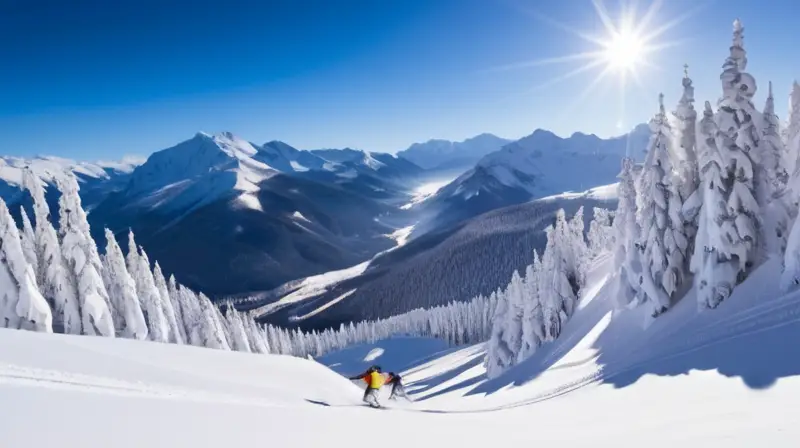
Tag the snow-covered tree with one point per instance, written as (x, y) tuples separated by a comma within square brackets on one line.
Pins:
[(499, 356), (712, 263), (239, 340), (684, 154), (659, 279), (213, 335), (169, 292), (738, 141), (170, 315), (129, 318), (627, 263), (558, 282), (22, 306), (577, 248), (792, 134), (81, 257), (28, 240), (772, 192), (532, 317), (601, 233), (149, 296), (55, 281)]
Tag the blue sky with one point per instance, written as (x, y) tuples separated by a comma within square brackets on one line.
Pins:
[(95, 79)]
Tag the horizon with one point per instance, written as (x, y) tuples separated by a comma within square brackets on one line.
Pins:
[(138, 78)]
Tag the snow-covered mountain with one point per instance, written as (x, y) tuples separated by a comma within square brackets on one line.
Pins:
[(96, 178), (445, 155), (287, 158), (429, 270), (538, 165), (249, 224)]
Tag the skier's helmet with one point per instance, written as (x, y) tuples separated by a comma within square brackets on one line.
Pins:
[(376, 369)]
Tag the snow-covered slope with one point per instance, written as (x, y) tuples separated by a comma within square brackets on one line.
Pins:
[(440, 154), (728, 377), (538, 165)]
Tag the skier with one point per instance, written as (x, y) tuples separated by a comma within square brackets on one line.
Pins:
[(397, 387), (374, 380)]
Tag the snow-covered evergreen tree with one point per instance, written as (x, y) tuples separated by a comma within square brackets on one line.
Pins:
[(214, 335), (499, 356), (532, 316), (22, 306), (149, 296), (81, 257), (28, 240), (165, 301), (601, 233), (792, 134), (239, 337), (658, 280), (627, 263), (738, 141), (56, 282), (685, 148), (558, 280), (129, 318), (712, 263), (577, 248), (772, 190), (169, 291)]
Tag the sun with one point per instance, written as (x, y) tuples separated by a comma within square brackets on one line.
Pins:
[(624, 51)]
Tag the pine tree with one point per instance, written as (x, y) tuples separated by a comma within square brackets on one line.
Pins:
[(792, 135), (738, 141), (28, 240), (712, 263), (81, 257), (532, 317), (627, 264), (166, 303), (130, 321), (601, 234), (499, 355), (772, 191), (57, 283), (149, 296), (22, 306), (653, 217), (169, 296)]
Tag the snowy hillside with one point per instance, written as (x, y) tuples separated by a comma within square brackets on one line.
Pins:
[(688, 377), (443, 155), (538, 165)]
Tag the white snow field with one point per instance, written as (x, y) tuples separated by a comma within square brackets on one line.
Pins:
[(728, 377)]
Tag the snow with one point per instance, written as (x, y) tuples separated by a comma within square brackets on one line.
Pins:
[(401, 236), (298, 215), (250, 201), (688, 377), (312, 286), (425, 191), (297, 167), (602, 193), (323, 307)]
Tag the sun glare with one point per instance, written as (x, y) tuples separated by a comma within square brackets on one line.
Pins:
[(624, 51)]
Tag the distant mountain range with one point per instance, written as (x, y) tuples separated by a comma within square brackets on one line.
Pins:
[(231, 217), (446, 155), (538, 165)]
